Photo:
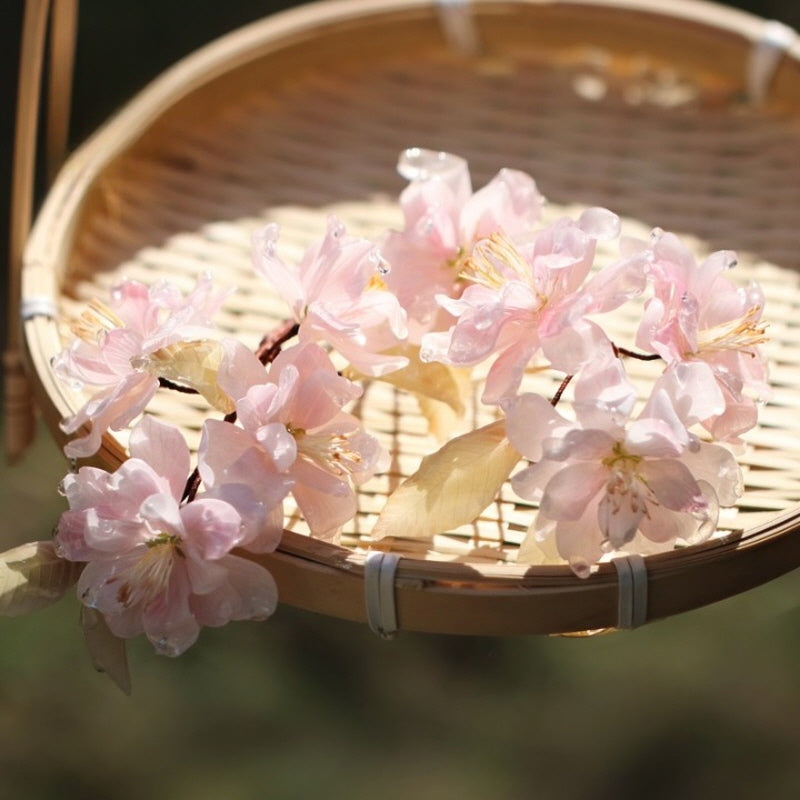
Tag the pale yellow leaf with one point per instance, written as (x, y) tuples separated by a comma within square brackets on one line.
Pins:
[(449, 385), (451, 487), (32, 576), (193, 364), (538, 552), (107, 651), (442, 421)]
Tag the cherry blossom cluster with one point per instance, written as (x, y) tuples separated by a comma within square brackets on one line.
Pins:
[(474, 280)]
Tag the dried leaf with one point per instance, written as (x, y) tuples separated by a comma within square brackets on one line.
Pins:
[(538, 553), (194, 364), (451, 487), (442, 421), (33, 576), (449, 385), (107, 651)]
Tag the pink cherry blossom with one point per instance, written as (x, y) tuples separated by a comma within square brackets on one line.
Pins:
[(699, 319), (156, 565), (292, 420), (537, 298), (337, 295), (443, 220), (605, 482), (117, 347)]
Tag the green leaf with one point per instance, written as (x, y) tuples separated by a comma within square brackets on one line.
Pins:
[(451, 487), (107, 651), (33, 576)]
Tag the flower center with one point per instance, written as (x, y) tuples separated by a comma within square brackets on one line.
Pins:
[(625, 484), (491, 261), (149, 576), (332, 452)]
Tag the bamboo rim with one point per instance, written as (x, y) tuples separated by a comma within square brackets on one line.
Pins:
[(708, 42)]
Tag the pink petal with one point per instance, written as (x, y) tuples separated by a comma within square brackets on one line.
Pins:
[(509, 203), (106, 536), (617, 284), (169, 622), (426, 167), (326, 502), (693, 391), (239, 370), (570, 345), (133, 482), (583, 445), (249, 592), (260, 509), (569, 491), (213, 526), (221, 444), (284, 280), (204, 576), (321, 392), (579, 543), (163, 447), (599, 223), (604, 397), (529, 482), (666, 525), (163, 514), (113, 408), (278, 444), (265, 403), (716, 466), (671, 482), (529, 420), (654, 437), (506, 373)]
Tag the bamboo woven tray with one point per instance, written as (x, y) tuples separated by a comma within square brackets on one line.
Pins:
[(662, 117)]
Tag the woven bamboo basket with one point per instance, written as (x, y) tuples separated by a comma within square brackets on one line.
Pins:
[(687, 118)]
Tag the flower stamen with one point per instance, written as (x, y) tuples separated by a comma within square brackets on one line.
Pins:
[(743, 334), (96, 321), (149, 576), (488, 257), (332, 452)]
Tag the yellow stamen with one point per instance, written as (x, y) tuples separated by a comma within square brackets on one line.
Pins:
[(97, 320), (376, 283), (483, 265), (744, 334), (332, 452)]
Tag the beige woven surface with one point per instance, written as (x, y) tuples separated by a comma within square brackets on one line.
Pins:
[(292, 141)]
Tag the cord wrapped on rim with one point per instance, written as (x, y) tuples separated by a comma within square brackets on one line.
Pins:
[(301, 114)]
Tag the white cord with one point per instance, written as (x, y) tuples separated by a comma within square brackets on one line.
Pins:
[(379, 573), (458, 25), (776, 39), (632, 606), (37, 306)]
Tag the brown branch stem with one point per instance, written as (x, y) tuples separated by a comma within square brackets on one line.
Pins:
[(166, 383), (271, 344), (560, 391), (623, 352)]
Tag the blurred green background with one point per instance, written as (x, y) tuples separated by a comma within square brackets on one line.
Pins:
[(705, 705)]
